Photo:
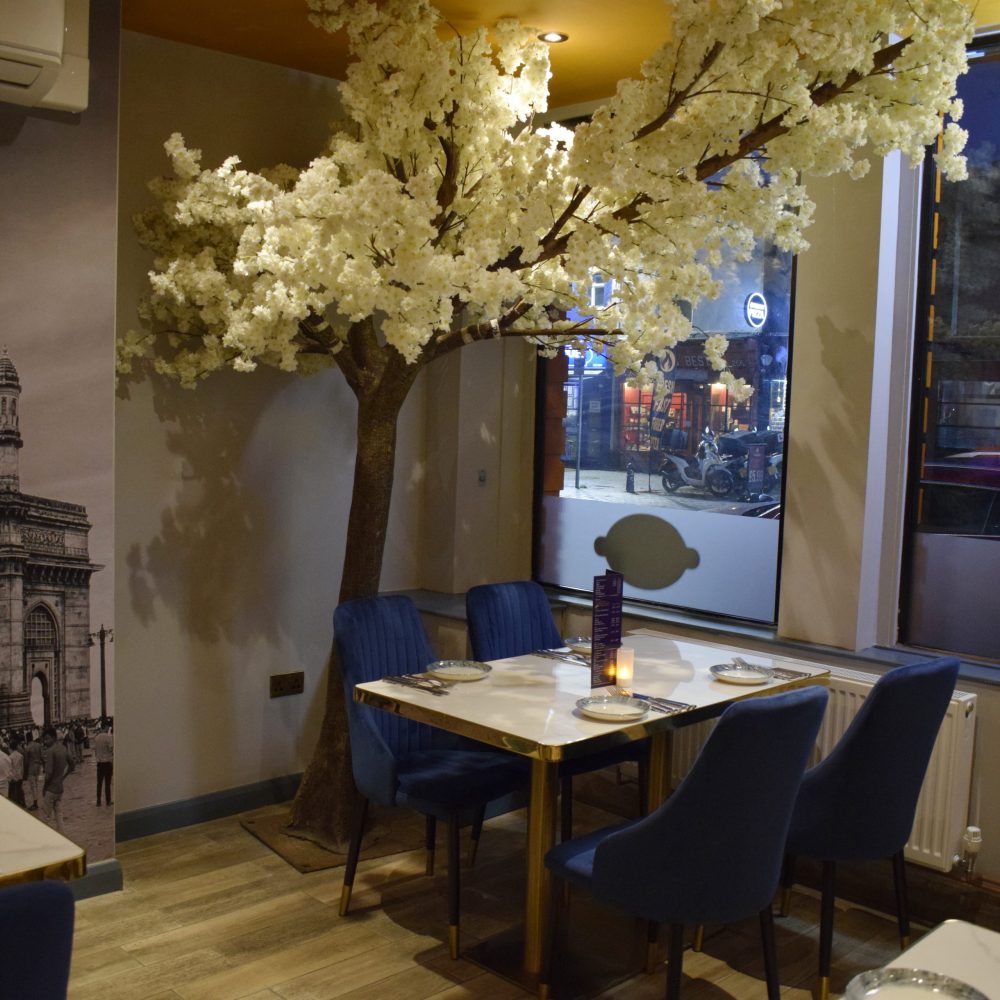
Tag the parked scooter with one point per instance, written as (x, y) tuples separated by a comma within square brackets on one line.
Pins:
[(706, 470), (735, 444)]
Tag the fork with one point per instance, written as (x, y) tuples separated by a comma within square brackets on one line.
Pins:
[(663, 704), (551, 654), (432, 685)]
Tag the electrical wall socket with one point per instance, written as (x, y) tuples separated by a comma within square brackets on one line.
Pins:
[(285, 684)]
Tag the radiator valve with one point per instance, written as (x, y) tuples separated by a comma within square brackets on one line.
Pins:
[(972, 840)]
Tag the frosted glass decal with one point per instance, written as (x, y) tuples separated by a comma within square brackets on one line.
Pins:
[(727, 565)]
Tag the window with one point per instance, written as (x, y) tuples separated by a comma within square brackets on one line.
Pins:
[(953, 544), (689, 459), (39, 630)]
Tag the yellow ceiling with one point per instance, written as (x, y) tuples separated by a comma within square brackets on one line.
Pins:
[(608, 40)]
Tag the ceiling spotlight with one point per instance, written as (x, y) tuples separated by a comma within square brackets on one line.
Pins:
[(554, 37)]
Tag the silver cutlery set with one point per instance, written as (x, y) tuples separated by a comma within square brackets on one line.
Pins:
[(437, 686), (422, 682)]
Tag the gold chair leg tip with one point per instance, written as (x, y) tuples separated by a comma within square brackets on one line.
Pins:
[(699, 938), (543, 991), (904, 942), (824, 988), (345, 900), (453, 941)]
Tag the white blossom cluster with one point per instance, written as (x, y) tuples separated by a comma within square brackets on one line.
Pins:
[(441, 214)]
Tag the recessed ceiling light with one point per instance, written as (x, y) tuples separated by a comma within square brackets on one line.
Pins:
[(553, 36)]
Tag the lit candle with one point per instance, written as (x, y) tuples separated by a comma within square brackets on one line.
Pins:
[(624, 666)]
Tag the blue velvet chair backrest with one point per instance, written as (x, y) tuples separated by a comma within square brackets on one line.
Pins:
[(712, 852), (380, 637), (509, 619), (36, 940), (859, 801)]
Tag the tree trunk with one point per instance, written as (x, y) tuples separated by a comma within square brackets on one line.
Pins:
[(326, 801)]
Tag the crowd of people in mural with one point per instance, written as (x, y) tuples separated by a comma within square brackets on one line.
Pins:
[(36, 762)]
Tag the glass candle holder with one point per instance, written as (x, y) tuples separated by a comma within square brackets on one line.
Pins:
[(624, 669)]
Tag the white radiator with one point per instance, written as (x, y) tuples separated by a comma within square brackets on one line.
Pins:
[(943, 806)]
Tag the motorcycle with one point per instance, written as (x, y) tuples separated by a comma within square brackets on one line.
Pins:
[(705, 470)]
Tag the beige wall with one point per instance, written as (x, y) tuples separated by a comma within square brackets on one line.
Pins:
[(480, 453), (829, 410), (233, 498)]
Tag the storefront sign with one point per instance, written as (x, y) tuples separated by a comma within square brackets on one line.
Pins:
[(755, 310), (756, 467)]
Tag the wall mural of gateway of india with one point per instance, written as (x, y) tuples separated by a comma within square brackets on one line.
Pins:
[(45, 571)]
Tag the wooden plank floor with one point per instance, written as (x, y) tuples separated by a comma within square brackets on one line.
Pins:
[(210, 913)]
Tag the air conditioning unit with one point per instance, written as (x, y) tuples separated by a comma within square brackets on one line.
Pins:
[(43, 53)]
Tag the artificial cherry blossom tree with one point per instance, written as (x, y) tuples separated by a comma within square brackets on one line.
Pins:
[(442, 214)]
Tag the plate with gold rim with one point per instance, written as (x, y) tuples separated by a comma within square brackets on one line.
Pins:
[(613, 708), (741, 673), (459, 670), (580, 644)]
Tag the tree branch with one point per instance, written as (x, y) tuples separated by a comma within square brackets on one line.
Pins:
[(681, 95)]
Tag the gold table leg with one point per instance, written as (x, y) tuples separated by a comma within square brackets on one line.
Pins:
[(660, 752), (541, 837)]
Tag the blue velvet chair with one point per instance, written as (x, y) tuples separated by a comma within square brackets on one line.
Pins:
[(712, 852), (511, 619), (36, 940), (858, 803), (399, 762)]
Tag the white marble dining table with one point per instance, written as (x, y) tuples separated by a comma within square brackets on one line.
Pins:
[(528, 705), (961, 950), (30, 849)]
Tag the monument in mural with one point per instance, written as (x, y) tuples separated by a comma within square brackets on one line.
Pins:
[(45, 572)]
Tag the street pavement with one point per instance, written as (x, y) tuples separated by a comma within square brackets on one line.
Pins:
[(600, 484)]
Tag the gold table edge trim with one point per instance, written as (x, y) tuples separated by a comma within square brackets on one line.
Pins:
[(551, 753), (68, 869)]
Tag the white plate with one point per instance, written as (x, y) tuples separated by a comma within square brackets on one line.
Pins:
[(579, 644), (459, 670), (613, 708), (908, 984), (748, 673)]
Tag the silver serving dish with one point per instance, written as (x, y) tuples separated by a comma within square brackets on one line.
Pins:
[(908, 984), (613, 708), (741, 672), (459, 670), (579, 644)]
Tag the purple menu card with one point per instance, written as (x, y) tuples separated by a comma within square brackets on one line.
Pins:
[(606, 627)]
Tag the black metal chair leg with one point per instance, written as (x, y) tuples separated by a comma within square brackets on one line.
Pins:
[(453, 885), (902, 903), (566, 808), (430, 832), (770, 955), (826, 928), (477, 832), (675, 957), (351, 865), (787, 881)]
